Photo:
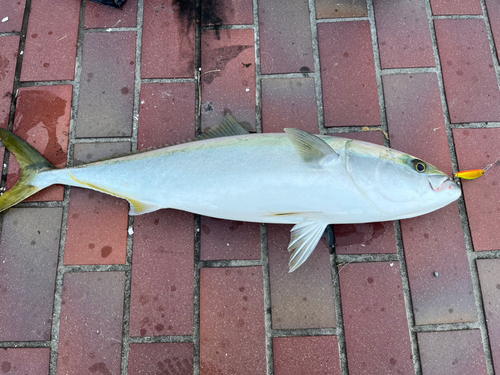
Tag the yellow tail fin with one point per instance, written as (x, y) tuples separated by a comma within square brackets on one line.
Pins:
[(31, 163)]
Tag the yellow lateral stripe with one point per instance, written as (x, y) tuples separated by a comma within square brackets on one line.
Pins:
[(95, 187), (139, 206)]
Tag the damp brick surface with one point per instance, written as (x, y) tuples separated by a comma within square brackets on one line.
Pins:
[(85, 287)]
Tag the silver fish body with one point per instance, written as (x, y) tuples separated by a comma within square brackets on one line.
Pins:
[(294, 178)]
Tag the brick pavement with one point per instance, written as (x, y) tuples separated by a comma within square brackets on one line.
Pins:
[(86, 289)]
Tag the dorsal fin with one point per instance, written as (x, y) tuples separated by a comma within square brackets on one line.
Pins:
[(226, 128), (310, 147)]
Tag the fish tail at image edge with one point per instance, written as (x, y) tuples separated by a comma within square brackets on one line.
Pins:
[(31, 163)]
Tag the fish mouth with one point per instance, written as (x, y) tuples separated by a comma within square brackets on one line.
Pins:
[(440, 183)]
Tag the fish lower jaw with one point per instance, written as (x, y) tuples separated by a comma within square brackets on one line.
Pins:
[(446, 184)]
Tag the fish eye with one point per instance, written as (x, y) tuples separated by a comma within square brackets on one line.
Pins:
[(419, 165)]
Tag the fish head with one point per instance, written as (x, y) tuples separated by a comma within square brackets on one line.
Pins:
[(396, 183)]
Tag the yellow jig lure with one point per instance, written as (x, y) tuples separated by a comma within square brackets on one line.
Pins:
[(471, 174)]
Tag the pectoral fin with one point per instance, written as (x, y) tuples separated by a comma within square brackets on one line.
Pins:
[(305, 237), (312, 148)]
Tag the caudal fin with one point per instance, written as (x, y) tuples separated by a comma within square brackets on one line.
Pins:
[(31, 163)]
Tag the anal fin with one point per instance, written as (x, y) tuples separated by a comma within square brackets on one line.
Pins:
[(305, 236)]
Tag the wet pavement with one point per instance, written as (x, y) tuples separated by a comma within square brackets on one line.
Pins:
[(86, 289)]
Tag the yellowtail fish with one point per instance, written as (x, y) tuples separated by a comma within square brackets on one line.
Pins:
[(290, 178)]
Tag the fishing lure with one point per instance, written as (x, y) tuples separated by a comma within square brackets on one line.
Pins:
[(472, 174)]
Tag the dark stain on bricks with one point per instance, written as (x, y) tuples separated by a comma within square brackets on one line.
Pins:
[(305, 69), (207, 107), (205, 229), (159, 327), (99, 368), (124, 90), (186, 12), (106, 251), (91, 246), (370, 280), (173, 288), (6, 366), (46, 65)]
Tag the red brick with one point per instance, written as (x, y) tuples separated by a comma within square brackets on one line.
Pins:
[(14, 9), (372, 306), (489, 271), (452, 352), (227, 239), (303, 298), (370, 238), (29, 251), (42, 119), (107, 86), (285, 37), (350, 95), (97, 223), (227, 12), (162, 274), (306, 355), (232, 336), (477, 148), (289, 103), (415, 117), (8, 60), (90, 332), (449, 7), (50, 50), (168, 39), (493, 8), (97, 16), (88, 152), (97, 229), (468, 71), (33, 361), (167, 114), (160, 359), (228, 77), (433, 242), (341, 8), (403, 33)]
